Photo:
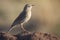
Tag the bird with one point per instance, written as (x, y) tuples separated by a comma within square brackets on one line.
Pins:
[(23, 17)]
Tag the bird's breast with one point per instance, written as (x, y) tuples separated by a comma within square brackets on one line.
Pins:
[(28, 16)]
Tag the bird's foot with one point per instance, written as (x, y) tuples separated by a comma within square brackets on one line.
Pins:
[(24, 31)]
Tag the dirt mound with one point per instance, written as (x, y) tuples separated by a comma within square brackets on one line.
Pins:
[(28, 36)]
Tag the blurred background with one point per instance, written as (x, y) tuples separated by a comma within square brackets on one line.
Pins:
[(45, 15)]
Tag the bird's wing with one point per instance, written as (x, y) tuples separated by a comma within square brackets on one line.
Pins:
[(19, 19)]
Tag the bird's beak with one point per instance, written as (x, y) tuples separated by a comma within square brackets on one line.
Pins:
[(33, 5)]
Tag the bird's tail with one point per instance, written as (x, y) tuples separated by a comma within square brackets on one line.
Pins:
[(10, 28)]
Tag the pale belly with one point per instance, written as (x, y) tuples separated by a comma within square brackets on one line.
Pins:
[(28, 16)]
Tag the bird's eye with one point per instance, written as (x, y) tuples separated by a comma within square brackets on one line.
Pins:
[(28, 6)]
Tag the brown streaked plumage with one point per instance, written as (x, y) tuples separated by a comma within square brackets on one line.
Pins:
[(24, 17)]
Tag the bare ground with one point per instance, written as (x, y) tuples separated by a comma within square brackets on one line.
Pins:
[(28, 36)]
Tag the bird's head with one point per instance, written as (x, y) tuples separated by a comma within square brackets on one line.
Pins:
[(28, 7)]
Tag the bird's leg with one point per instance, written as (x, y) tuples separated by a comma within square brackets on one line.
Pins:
[(22, 28)]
